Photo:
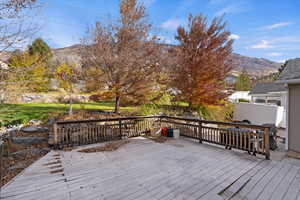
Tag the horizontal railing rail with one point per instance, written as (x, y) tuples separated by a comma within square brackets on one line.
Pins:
[(251, 138), (248, 137), (1, 163)]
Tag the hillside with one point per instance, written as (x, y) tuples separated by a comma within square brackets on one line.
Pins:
[(254, 66)]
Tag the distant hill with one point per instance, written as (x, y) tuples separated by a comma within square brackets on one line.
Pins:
[(254, 66)]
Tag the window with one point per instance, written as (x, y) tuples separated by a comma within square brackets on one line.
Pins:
[(260, 101)]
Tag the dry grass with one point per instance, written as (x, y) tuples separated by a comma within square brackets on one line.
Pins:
[(112, 146), (87, 115), (69, 148), (158, 139)]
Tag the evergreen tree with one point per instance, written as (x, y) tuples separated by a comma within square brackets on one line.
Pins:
[(40, 48), (280, 70)]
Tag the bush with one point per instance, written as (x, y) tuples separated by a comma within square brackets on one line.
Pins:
[(149, 109), (217, 113), (95, 98), (243, 100)]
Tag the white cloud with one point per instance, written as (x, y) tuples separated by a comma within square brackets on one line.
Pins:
[(164, 39), (148, 3), (281, 61), (264, 44), (234, 37), (172, 24), (274, 54), (234, 8), (278, 25)]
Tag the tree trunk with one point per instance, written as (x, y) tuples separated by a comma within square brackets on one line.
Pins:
[(117, 104), (190, 107), (71, 105)]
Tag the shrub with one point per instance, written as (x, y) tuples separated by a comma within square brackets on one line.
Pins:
[(217, 113), (149, 109), (243, 100)]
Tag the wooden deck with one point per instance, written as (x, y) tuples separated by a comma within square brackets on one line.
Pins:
[(145, 170)]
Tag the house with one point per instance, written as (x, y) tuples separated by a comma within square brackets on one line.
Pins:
[(267, 105), (291, 77), (238, 96), (231, 79), (269, 93)]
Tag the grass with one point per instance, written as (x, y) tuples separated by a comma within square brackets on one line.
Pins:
[(11, 114), (23, 113)]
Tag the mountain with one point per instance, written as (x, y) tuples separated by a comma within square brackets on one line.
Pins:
[(68, 54), (254, 66)]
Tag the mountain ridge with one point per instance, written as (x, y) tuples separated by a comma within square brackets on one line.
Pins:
[(254, 66)]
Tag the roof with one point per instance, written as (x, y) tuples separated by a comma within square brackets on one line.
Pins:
[(292, 70), (263, 88)]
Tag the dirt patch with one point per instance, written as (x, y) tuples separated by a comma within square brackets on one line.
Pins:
[(113, 146), (69, 148), (8, 169), (35, 134), (158, 139), (88, 115), (18, 156)]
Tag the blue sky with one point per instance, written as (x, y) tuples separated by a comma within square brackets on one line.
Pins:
[(261, 28)]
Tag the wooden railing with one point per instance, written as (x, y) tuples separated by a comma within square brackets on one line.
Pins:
[(70, 133), (251, 138), (1, 163)]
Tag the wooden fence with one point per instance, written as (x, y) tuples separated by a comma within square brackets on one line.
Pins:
[(251, 138)]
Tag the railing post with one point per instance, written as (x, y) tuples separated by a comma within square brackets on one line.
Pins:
[(55, 135), (120, 129), (160, 119), (200, 132), (267, 142)]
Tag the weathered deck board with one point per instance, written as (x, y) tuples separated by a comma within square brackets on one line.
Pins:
[(145, 170)]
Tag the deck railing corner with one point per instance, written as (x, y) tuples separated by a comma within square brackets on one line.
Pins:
[(247, 137)]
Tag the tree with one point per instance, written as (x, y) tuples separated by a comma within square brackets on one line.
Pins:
[(282, 67), (16, 25), (30, 69), (126, 54), (203, 61), (243, 82), (67, 77), (40, 47), (29, 72)]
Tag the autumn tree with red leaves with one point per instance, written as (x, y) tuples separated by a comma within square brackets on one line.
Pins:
[(126, 56), (203, 61)]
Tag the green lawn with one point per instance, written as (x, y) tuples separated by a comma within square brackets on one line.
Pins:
[(22, 113)]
